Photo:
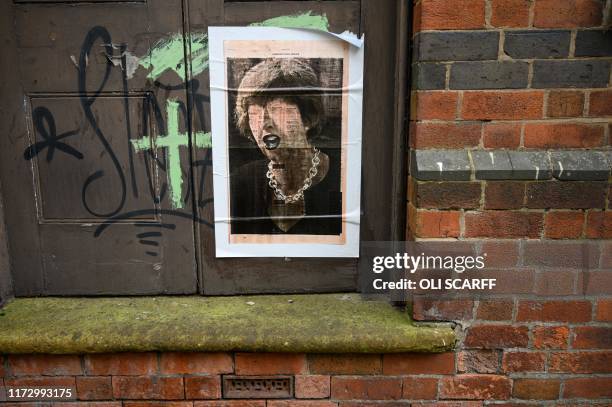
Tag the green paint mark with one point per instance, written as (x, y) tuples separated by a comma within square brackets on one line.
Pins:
[(172, 142), (304, 20), (168, 53)]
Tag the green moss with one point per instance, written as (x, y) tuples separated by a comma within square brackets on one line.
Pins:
[(277, 323)]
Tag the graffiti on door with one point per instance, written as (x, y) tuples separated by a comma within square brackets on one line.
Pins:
[(165, 153)]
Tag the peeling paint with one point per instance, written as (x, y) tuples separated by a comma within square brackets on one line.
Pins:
[(168, 54), (303, 20)]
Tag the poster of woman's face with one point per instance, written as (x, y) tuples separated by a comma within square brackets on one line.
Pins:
[(285, 146), (285, 136)]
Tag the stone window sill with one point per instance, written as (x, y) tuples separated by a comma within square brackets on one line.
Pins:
[(321, 323)]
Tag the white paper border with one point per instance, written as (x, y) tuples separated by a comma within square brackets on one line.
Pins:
[(216, 37)]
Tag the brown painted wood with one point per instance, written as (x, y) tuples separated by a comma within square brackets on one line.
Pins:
[(248, 275), (52, 244), (19, 204), (70, 231), (10, 90)]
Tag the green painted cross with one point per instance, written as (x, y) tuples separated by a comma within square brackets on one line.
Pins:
[(172, 142)]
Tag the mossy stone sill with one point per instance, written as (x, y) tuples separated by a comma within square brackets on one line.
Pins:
[(322, 323)]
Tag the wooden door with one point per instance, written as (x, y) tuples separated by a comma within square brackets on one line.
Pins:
[(382, 142), (88, 113), (106, 164)]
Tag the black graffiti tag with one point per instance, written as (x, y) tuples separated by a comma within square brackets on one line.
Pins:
[(45, 126)]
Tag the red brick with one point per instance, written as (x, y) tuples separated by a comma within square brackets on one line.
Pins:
[(554, 311), (477, 361), (592, 337), (604, 310), (270, 363), (588, 388), (44, 365), (565, 103), (202, 387), (125, 364), (581, 362), (345, 364), (599, 225), (155, 404), (606, 254), (445, 404), (230, 403), (195, 363), (94, 388), (523, 361), (505, 105), (148, 387), (563, 225), (495, 310), (446, 135), (441, 310), (503, 224), (595, 282), (550, 337), (418, 363), (515, 281), (552, 283), (51, 381), (366, 388), (567, 13), (563, 135), (500, 253), (504, 195), (435, 105), (496, 336), (536, 389), (419, 388), (475, 387), (84, 404), (312, 386), (446, 195), (301, 403), (510, 13), (457, 15), (566, 195), (600, 103), (436, 223), (502, 135)]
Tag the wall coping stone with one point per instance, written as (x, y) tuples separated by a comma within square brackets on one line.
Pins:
[(319, 323), (564, 165)]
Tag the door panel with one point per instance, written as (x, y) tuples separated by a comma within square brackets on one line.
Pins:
[(96, 202), (257, 275), (60, 174)]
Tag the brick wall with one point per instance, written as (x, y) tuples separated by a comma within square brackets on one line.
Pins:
[(511, 117), (510, 144), (529, 364)]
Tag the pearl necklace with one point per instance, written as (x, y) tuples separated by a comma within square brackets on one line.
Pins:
[(312, 172)]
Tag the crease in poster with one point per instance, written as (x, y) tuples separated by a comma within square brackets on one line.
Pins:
[(286, 112)]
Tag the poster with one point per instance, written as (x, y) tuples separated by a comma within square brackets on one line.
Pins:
[(286, 110)]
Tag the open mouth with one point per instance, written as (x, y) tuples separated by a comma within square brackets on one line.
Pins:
[(271, 141)]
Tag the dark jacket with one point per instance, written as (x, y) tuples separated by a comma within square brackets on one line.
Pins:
[(251, 195)]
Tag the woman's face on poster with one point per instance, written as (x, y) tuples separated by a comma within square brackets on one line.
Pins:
[(278, 128)]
